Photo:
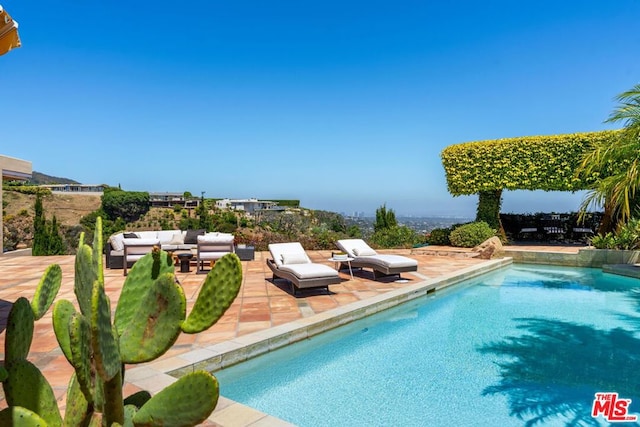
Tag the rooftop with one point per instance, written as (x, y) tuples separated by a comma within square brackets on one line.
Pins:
[(264, 316)]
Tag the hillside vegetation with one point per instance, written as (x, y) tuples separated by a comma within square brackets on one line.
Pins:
[(312, 228)]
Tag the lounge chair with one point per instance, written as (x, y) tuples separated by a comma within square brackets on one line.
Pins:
[(382, 264), (290, 262)]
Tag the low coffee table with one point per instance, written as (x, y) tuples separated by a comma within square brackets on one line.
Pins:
[(185, 261)]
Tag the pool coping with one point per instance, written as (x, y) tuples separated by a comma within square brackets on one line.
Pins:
[(157, 375)]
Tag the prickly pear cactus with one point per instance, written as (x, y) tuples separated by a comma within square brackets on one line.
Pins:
[(150, 315), (29, 396)]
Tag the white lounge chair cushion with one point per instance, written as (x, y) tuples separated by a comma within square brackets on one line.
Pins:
[(295, 258), (391, 261), (309, 271)]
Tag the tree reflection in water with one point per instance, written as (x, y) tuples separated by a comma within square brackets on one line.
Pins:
[(555, 368)]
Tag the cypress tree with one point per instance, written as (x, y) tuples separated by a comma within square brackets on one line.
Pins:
[(40, 232), (385, 219), (56, 245)]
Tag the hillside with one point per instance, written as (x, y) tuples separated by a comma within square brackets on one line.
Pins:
[(39, 178), (68, 208)]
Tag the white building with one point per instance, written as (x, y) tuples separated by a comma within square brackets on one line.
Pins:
[(12, 169), (249, 206)]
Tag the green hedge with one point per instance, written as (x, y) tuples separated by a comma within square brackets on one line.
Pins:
[(28, 189), (524, 163), (290, 203)]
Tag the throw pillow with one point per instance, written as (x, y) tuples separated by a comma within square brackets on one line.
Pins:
[(191, 238), (294, 258), (367, 251), (130, 236), (177, 239)]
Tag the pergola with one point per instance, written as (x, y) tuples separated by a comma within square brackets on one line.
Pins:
[(12, 169)]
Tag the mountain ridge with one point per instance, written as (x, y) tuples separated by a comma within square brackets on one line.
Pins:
[(40, 178)]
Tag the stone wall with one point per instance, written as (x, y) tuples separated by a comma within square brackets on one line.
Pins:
[(587, 257)]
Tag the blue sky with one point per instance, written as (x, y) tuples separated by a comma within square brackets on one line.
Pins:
[(345, 105)]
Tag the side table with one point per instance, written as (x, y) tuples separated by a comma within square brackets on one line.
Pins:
[(185, 261), (246, 253), (339, 261)]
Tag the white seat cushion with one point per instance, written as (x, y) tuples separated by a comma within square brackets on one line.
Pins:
[(212, 255), (309, 271)]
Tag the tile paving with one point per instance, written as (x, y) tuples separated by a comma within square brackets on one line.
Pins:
[(261, 306)]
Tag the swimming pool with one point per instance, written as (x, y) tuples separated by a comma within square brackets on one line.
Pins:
[(519, 344)]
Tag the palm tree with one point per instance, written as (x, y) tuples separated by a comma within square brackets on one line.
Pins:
[(619, 165)]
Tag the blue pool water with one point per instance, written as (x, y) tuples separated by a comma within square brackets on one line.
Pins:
[(524, 343)]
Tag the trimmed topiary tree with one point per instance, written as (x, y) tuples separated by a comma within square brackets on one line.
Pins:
[(549, 163)]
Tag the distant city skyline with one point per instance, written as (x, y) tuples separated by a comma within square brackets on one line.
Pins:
[(343, 105)]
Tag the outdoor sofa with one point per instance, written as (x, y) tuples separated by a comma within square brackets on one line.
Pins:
[(169, 240), (383, 265), (289, 261)]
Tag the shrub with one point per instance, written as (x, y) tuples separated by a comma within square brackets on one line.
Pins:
[(128, 205), (439, 236), (470, 235), (628, 237), (606, 241), (398, 236)]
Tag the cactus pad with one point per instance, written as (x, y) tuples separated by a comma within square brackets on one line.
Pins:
[(19, 332), (80, 343), (47, 290), (129, 413), (105, 347), (85, 277), (17, 416), (188, 401), (138, 282), (27, 387), (62, 312), (220, 288), (77, 411), (155, 325), (97, 250)]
